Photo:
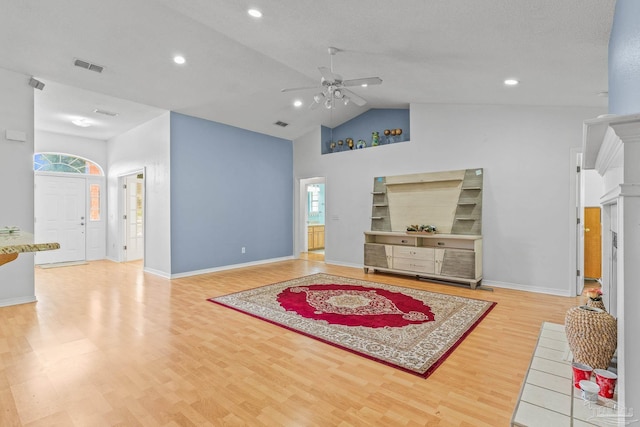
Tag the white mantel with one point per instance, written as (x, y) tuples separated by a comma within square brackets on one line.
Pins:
[(611, 145)]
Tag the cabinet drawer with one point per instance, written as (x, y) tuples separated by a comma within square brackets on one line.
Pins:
[(448, 243), (413, 253), (396, 240), (417, 265)]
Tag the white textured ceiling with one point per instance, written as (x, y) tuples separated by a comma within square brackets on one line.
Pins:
[(425, 51)]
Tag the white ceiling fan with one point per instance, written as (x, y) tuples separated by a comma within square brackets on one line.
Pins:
[(333, 87)]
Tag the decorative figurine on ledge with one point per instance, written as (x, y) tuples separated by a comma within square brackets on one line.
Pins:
[(375, 139)]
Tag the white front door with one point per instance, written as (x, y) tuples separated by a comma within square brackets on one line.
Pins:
[(134, 217), (60, 206)]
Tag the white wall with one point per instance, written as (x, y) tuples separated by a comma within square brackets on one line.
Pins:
[(525, 153), (146, 146), (88, 148), (16, 176), (593, 187)]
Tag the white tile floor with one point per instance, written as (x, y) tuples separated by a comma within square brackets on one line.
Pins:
[(548, 397)]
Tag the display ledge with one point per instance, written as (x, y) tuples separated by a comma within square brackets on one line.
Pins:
[(346, 149), (423, 235)]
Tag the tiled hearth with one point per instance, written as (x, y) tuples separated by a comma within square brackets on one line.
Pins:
[(548, 397)]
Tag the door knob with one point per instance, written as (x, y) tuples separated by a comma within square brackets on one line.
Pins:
[(587, 229)]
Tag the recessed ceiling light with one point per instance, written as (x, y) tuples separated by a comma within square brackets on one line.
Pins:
[(297, 103), (364, 85), (255, 13), (511, 82), (83, 123), (178, 59)]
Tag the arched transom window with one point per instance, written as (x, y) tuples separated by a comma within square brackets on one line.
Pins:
[(58, 162)]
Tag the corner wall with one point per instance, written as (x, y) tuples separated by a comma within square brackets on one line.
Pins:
[(525, 153), (146, 146), (16, 173)]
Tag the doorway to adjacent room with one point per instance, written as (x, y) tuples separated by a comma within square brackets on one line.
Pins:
[(312, 208), (133, 216)]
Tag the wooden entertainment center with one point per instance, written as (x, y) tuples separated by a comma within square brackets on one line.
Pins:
[(452, 202)]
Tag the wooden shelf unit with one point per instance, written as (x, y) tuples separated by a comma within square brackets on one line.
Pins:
[(451, 201)]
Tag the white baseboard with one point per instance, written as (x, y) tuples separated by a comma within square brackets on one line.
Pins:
[(526, 288), (15, 301), (157, 272), (343, 264), (229, 267)]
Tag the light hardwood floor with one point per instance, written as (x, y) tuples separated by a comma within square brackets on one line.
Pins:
[(107, 344)]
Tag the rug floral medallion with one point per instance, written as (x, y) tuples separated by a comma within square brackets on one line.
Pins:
[(410, 329)]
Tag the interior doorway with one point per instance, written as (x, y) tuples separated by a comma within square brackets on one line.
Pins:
[(133, 216), (312, 209)]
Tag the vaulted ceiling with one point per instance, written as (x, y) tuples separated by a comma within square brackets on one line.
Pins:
[(425, 51)]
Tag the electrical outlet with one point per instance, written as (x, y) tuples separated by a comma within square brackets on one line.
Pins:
[(243, 249)]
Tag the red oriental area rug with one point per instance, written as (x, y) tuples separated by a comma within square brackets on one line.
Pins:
[(409, 329)]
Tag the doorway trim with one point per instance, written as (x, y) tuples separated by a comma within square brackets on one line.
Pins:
[(301, 243), (122, 208), (576, 232)]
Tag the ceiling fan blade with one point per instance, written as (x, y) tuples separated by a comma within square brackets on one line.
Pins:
[(365, 81), (359, 101), (291, 89), (328, 75)]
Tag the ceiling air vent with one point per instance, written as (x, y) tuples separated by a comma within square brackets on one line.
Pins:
[(281, 124), (88, 65), (105, 112)]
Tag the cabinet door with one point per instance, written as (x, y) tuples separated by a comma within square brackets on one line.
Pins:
[(318, 237), (310, 245), (458, 263), (439, 258), (378, 255)]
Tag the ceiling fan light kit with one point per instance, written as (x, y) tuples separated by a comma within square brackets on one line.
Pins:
[(334, 87)]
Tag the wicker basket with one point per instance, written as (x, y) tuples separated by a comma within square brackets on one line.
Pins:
[(592, 334)]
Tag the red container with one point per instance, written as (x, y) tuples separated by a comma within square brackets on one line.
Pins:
[(606, 380), (580, 372)]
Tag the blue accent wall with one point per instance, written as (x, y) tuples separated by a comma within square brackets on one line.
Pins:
[(624, 59), (230, 188), (361, 127)]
